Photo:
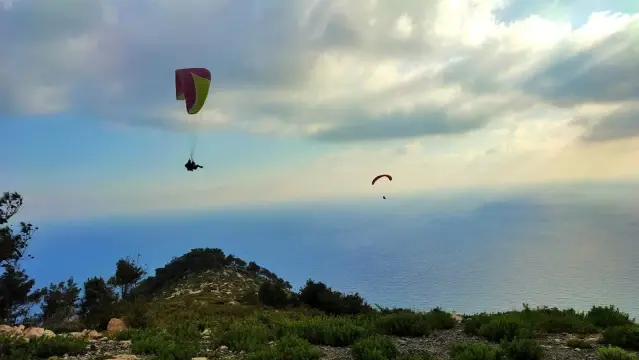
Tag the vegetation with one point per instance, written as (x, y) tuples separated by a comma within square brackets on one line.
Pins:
[(206, 299)]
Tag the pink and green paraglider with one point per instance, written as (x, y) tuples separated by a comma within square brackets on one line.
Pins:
[(192, 86)]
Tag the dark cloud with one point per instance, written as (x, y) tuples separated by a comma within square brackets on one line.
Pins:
[(621, 124), (603, 73)]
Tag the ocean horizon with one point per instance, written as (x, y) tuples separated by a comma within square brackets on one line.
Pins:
[(565, 246)]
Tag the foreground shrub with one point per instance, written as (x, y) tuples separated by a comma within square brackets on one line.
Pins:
[(473, 351), (246, 336), (504, 329), (329, 331), (17, 348), (522, 349), (404, 324), (175, 344), (578, 344), (376, 347), (608, 316), (290, 348), (439, 319), (474, 323), (614, 353), (622, 336)]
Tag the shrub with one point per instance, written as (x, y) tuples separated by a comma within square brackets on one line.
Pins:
[(439, 319), (321, 297), (504, 329), (376, 347), (15, 348), (522, 349), (288, 347), (614, 353), (473, 351), (404, 324), (608, 316), (578, 344), (172, 345), (474, 323), (273, 294), (329, 331), (622, 336), (246, 335)]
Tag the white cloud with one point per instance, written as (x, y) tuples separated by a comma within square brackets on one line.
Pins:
[(531, 94)]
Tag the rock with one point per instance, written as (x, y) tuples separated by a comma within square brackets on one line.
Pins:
[(33, 333), (456, 317), (10, 330), (91, 334), (222, 348), (115, 326)]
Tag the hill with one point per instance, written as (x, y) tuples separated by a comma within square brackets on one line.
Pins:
[(208, 274)]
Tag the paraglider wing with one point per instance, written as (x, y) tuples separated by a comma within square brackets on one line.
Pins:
[(192, 85), (390, 178)]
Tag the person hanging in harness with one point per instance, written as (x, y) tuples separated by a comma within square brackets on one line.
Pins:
[(191, 165)]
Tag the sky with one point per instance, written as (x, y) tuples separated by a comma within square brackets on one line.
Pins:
[(311, 99)]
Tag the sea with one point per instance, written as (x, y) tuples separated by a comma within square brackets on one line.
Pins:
[(567, 245)]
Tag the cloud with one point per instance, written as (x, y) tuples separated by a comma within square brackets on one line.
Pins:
[(620, 124), (332, 70)]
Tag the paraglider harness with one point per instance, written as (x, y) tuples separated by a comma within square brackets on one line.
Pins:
[(191, 165)]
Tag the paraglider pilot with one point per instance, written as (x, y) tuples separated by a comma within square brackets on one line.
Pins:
[(191, 165)]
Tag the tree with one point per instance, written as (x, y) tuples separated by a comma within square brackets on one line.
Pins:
[(13, 244), (273, 294), (16, 297), (127, 275), (60, 302), (98, 303)]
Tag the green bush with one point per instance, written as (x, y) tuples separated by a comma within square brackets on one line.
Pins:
[(522, 349), (165, 345), (614, 353), (290, 348), (622, 336), (273, 294), (608, 316), (474, 351), (376, 347), (331, 331), (404, 324), (246, 335), (578, 344), (15, 348), (472, 324), (439, 319), (504, 329)]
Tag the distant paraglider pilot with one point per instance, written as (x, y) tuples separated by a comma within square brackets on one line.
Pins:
[(191, 165)]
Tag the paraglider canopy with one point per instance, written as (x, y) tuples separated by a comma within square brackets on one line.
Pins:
[(192, 85), (390, 178)]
